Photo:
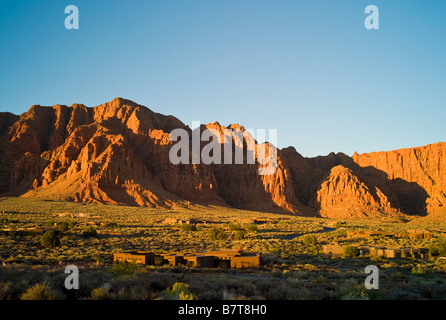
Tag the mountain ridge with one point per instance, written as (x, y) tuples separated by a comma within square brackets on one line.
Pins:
[(118, 152)]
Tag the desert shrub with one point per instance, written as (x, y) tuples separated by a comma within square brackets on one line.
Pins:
[(99, 294), (253, 228), (340, 233), (50, 223), (309, 239), (7, 291), (110, 225), (434, 250), (438, 249), (39, 292), (339, 224), (89, 231), (351, 251), (355, 295), (239, 235), (426, 292), (13, 231), (418, 270), (310, 267), (234, 227), (179, 291), (50, 239), (283, 291), (123, 268), (188, 227), (72, 223), (440, 264), (216, 233), (63, 226)]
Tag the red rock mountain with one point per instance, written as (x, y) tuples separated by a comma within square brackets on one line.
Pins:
[(118, 152)]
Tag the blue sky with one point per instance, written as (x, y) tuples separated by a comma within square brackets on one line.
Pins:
[(307, 68)]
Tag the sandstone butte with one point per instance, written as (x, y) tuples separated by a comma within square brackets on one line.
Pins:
[(118, 153)]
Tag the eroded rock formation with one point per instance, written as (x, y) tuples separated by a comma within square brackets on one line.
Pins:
[(118, 152)]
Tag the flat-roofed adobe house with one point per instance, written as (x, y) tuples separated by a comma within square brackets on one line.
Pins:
[(211, 259), (138, 257), (174, 259), (245, 261), (198, 260), (385, 252), (236, 258), (419, 234), (180, 221)]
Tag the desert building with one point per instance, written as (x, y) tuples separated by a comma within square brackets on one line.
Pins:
[(245, 261), (138, 257), (211, 259), (417, 234), (386, 252), (197, 260), (181, 221), (336, 249), (174, 259)]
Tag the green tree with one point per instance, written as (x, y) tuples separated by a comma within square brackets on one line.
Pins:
[(50, 239)]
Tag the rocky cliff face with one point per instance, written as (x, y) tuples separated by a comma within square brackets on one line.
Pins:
[(242, 186), (118, 152), (409, 181), (417, 175), (343, 195)]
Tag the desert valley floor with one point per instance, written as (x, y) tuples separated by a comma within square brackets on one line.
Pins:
[(294, 262)]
